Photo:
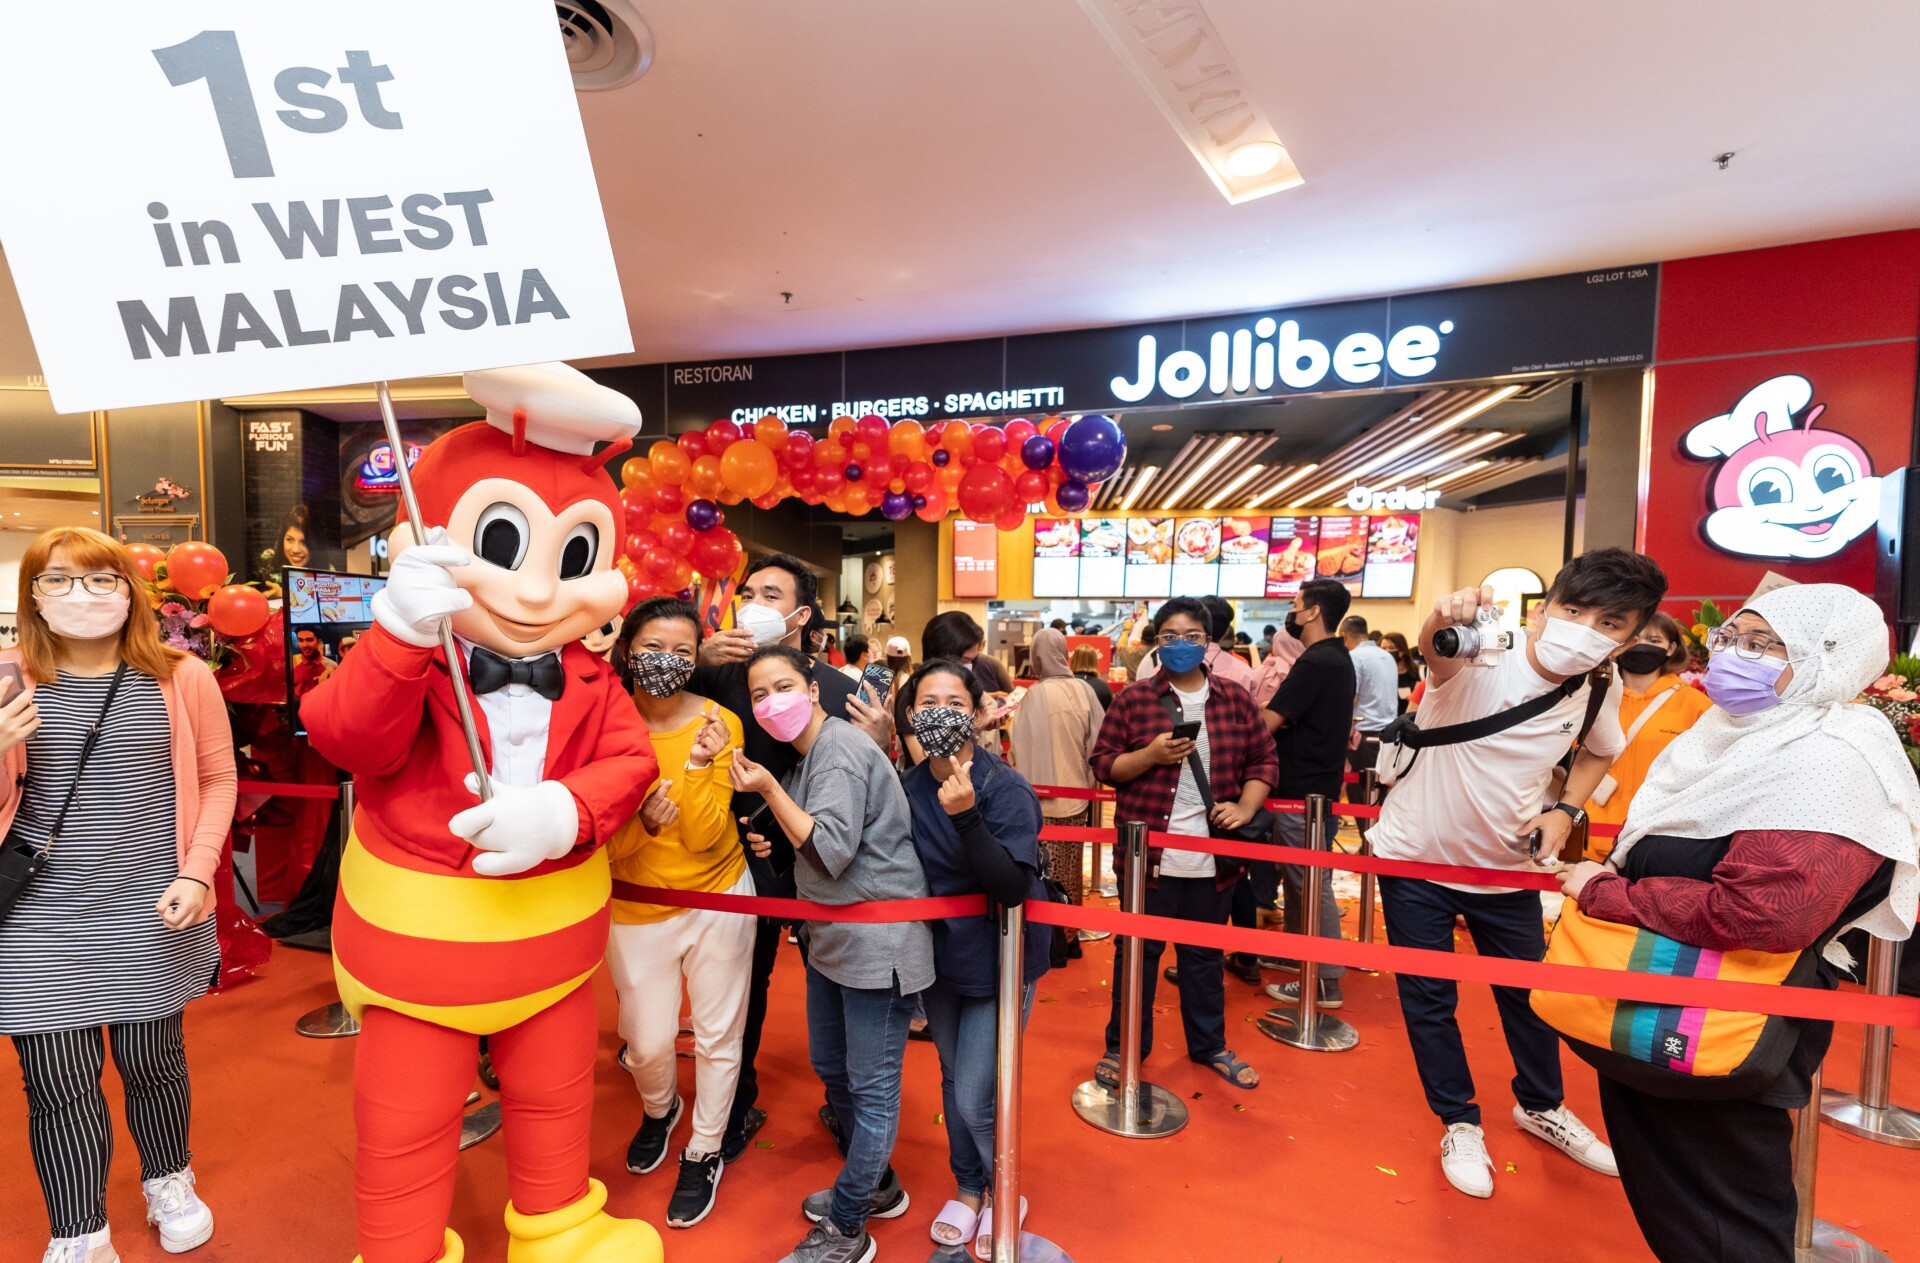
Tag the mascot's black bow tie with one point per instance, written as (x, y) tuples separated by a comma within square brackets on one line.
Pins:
[(489, 671)]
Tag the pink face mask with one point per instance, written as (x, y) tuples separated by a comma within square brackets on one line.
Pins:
[(83, 615), (784, 715)]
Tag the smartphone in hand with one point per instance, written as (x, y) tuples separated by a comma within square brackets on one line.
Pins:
[(1186, 730)]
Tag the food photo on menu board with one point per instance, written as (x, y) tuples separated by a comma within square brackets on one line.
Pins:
[(1243, 556), (1103, 556), (1290, 558), (1056, 556), (1342, 553), (1196, 556), (1392, 542), (1149, 556)]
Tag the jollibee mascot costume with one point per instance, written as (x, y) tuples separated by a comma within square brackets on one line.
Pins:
[(458, 918)]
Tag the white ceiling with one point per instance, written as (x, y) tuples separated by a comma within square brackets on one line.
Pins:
[(917, 171)]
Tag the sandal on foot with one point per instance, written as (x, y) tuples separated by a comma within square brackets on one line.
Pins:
[(960, 1220), (1106, 1072), (983, 1235), (1232, 1069)]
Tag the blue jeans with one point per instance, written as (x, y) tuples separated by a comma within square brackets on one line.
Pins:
[(857, 1040), (965, 1032), (1507, 925)]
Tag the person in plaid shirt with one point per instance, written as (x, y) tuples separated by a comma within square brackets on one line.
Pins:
[(1152, 774)]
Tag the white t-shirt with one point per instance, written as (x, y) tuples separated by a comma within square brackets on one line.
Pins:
[(1464, 804), (1189, 812)]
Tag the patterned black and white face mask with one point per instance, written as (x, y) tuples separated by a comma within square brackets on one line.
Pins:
[(942, 730), (661, 674)]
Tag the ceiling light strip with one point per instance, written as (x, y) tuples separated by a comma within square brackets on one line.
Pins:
[(1220, 450), (1139, 487), (1475, 441), (1430, 420), (1297, 475), (1239, 480), (1425, 436), (1247, 454)]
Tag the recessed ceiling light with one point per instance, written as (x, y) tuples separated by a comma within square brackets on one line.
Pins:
[(1254, 158), (1163, 427)]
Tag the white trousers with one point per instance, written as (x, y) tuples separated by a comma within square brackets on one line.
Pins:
[(713, 953)]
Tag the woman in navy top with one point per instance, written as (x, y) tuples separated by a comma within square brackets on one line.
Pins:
[(976, 825)]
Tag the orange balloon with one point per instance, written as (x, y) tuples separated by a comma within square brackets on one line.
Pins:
[(195, 569), (949, 478), (633, 468), (771, 433), (857, 500), (956, 437), (904, 436), (705, 480), (935, 508), (862, 453), (681, 577), (840, 425), (749, 469), (837, 502), (146, 558), (238, 611), (670, 464)]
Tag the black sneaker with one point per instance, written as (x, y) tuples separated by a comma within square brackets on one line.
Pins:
[(831, 1121), (889, 1201), (1246, 969), (649, 1147), (735, 1143), (694, 1193)]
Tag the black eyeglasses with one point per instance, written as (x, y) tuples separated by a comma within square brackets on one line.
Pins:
[(100, 583)]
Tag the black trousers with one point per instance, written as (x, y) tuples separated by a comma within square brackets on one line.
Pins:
[(766, 947), (1203, 991), (69, 1129), (1708, 1181)]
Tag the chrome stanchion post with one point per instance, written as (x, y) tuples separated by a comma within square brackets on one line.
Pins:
[(1369, 795), (1133, 1109), (332, 1021), (1815, 1240), (1010, 1244), (1871, 1113), (1307, 1027)]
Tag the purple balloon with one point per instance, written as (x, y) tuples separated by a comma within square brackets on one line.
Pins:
[(1037, 452), (703, 515), (1073, 495), (919, 503), (940, 457), (1092, 449), (853, 473), (896, 506)]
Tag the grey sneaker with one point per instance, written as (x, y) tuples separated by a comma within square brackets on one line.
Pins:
[(824, 1244), (889, 1201)]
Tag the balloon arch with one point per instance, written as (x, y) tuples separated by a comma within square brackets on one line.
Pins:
[(675, 526)]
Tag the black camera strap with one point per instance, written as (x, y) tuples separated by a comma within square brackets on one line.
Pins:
[(1405, 731)]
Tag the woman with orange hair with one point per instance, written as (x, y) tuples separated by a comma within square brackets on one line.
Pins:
[(119, 786)]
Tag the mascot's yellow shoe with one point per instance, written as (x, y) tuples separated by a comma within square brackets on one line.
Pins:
[(455, 1251), (580, 1233)]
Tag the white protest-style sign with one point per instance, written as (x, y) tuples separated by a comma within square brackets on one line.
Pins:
[(240, 198)]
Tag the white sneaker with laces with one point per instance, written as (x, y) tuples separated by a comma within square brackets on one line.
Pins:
[(94, 1248), (1464, 1160), (184, 1221), (1559, 1128)]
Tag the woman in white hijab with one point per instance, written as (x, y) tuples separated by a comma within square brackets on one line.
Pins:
[(1784, 816)]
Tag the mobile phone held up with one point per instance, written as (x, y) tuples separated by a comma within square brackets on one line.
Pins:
[(1186, 730), (10, 671)]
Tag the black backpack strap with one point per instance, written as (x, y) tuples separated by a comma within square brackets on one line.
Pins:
[(1405, 731), (1601, 679)]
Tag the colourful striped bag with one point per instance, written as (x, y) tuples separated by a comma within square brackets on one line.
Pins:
[(1668, 1050)]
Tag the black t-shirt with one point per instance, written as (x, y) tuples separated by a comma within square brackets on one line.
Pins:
[(727, 685), (1316, 699)]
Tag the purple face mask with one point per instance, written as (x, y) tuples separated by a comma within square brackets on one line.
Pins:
[(1743, 686)]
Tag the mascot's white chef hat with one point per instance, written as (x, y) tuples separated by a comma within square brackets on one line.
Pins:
[(555, 406), (1768, 408)]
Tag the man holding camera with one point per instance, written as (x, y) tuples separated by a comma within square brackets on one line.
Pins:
[(1479, 802)]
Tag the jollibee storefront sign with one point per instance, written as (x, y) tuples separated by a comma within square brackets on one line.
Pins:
[(235, 199)]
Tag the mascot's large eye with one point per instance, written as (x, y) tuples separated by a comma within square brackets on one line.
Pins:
[(1833, 471), (578, 553), (500, 536), (1768, 486)]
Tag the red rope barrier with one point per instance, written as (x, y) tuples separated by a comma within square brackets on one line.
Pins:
[(876, 913), (289, 789)]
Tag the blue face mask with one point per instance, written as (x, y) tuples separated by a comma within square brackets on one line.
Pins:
[(1743, 686), (1182, 656)]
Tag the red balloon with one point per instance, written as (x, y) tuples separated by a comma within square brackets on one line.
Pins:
[(989, 444), (638, 590), (1031, 487), (195, 569), (872, 429), (716, 553), (918, 477), (238, 611), (720, 434), (638, 506), (935, 508), (1014, 519), (829, 479), (693, 443), (803, 480), (145, 558), (668, 499), (986, 493), (897, 467), (640, 543), (767, 501), (1056, 427), (658, 563), (676, 539), (799, 449), (1018, 431)]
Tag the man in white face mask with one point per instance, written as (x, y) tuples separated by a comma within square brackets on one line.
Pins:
[(1476, 803)]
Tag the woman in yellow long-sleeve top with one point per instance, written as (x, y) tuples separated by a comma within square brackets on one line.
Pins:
[(684, 838)]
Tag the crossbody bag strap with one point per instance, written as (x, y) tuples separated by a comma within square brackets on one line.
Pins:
[(86, 752), (1653, 708), (1404, 731), (1178, 714)]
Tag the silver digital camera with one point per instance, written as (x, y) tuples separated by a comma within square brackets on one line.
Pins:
[(1482, 640)]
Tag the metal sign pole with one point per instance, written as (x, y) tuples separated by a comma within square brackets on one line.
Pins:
[(332, 1021), (456, 668), (1135, 1109), (1307, 1027), (1010, 1244), (1871, 1114), (1815, 1240)]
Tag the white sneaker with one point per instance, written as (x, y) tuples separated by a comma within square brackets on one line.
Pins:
[(1559, 1128), (1464, 1160), (183, 1219), (94, 1248)]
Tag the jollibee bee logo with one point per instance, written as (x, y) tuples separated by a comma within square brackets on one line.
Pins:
[(1783, 489)]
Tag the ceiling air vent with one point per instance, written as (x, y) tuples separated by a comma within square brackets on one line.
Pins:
[(608, 43)]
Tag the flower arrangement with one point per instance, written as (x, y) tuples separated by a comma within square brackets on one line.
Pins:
[(1704, 620), (1895, 696), (200, 609)]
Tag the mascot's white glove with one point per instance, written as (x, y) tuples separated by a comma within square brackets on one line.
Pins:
[(522, 826), (420, 595)]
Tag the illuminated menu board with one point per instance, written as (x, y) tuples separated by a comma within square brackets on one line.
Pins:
[(976, 552), (1153, 557)]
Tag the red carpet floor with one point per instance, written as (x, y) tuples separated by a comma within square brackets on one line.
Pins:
[(1332, 1159)]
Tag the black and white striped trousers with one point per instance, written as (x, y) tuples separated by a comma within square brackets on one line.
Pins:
[(68, 1126)]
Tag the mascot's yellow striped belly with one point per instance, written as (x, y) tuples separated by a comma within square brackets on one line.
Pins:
[(477, 954)]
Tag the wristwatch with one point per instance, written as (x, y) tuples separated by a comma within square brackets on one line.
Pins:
[(1576, 814)]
